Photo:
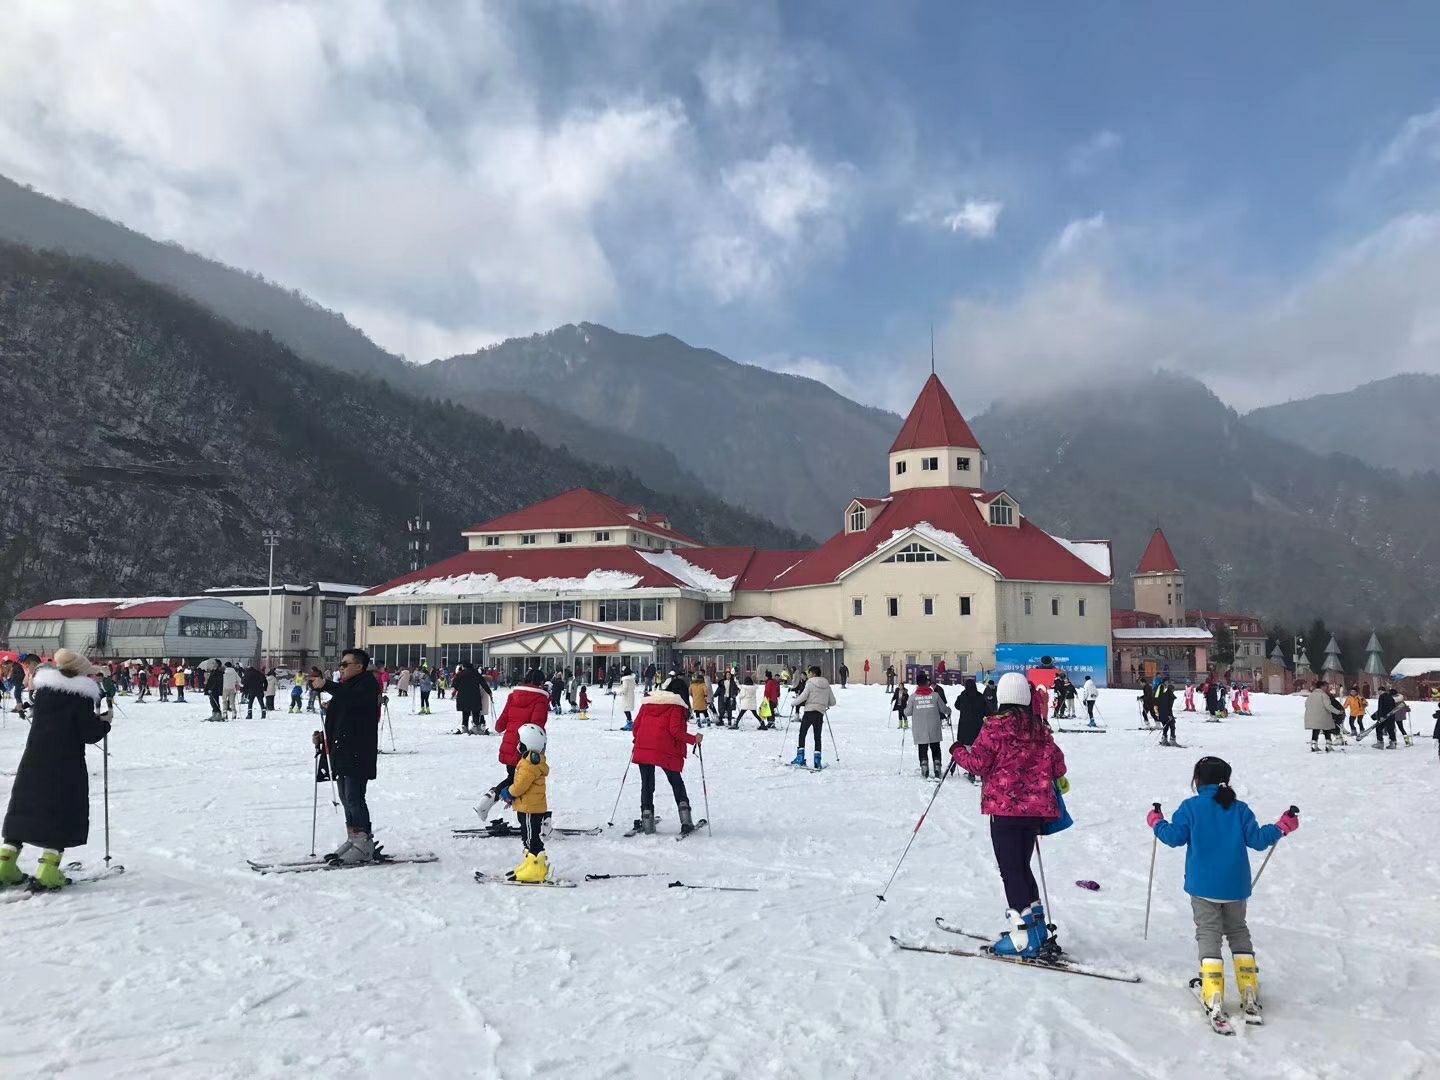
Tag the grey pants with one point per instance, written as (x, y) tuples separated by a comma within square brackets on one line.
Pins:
[(1214, 921)]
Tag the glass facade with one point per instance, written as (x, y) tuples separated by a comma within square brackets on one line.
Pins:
[(193, 626), (398, 615), (471, 614), (548, 611), (396, 656), (635, 610)]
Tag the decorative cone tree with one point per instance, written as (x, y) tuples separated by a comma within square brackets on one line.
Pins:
[(1332, 667), (1374, 662)]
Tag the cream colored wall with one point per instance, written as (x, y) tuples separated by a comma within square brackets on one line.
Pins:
[(1041, 627), (1151, 591), (948, 475)]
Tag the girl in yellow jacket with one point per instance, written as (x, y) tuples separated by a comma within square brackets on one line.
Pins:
[(526, 796), (1355, 710), (700, 700)]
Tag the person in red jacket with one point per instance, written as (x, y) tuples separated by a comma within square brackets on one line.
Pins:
[(662, 738), (527, 704), (772, 695)]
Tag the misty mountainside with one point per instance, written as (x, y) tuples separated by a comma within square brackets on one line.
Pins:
[(1393, 423), (1257, 523), (785, 447), (151, 441)]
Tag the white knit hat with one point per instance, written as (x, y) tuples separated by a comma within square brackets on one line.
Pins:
[(1014, 689), (72, 663)]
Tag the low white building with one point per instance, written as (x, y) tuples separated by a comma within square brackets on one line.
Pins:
[(299, 625), (152, 628)]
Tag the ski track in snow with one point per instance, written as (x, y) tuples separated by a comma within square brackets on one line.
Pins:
[(190, 964)]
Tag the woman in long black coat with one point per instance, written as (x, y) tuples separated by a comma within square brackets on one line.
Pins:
[(472, 699), (50, 799)]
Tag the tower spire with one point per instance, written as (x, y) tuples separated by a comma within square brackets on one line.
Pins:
[(932, 348)]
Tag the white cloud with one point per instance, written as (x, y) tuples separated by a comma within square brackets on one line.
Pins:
[(1418, 137), (1076, 235), (1090, 154), (977, 219)]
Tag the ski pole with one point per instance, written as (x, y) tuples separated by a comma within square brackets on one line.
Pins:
[(1044, 889), (833, 744), (616, 808), (1149, 885), (389, 725), (105, 746), (330, 771), (1293, 810), (881, 894), (704, 789), (785, 735), (314, 799)]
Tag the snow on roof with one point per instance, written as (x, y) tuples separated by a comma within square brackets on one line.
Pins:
[(1162, 633), (579, 508), (597, 581), (687, 573), (1093, 553), (1414, 666), (950, 542), (339, 587), (753, 629), (129, 607)]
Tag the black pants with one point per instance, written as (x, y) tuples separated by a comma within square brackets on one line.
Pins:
[(934, 750), (647, 788), (1315, 735), (1167, 726), (1013, 839), (352, 797), (752, 712), (424, 699), (509, 778), (250, 702), (270, 702), (466, 714), (810, 720), (215, 703), (1384, 730), (530, 832), (1090, 709)]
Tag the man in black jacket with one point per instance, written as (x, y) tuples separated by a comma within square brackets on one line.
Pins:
[(352, 731), (253, 683), (971, 709)]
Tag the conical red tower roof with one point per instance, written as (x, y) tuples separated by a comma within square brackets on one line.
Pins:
[(1158, 558), (934, 421)]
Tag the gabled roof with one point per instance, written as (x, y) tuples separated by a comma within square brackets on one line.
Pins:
[(934, 420), (1024, 552), (506, 572), (1158, 558), (579, 508), (753, 630)]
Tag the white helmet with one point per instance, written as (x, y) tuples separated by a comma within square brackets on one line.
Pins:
[(532, 739), (1014, 689)]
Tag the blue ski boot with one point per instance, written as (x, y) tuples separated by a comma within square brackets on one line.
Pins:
[(799, 757), (1017, 941), (817, 760), (629, 726), (1042, 942)]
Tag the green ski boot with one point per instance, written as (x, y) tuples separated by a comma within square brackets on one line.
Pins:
[(10, 872), (49, 875)]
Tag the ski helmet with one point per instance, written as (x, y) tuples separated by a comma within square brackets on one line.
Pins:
[(532, 739), (1014, 689)]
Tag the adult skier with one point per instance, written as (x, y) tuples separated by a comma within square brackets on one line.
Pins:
[(1147, 703), (1090, 693), (662, 741), (527, 704), (214, 687), (230, 685), (1322, 714), (254, 683), (971, 709), (899, 698), (1021, 768), (471, 699), (926, 711), (626, 697), (1165, 711), (50, 797), (352, 732), (749, 701), (812, 703)]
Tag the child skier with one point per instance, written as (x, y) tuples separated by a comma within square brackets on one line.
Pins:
[(1216, 828), (700, 700), (297, 693), (527, 705), (899, 699), (526, 796), (1355, 710)]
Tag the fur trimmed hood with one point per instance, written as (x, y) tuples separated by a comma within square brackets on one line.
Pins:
[(50, 678), (665, 697)]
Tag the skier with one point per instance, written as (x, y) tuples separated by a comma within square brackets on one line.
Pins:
[(426, 686), (1189, 696), (162, 681), (50, 796), (728, 691), (1385, 718), (526, 796), (844, 675), (991, 697), (813, 702), (899, 698), (254, 684), (1147, 703), (402, 682), (584, 701), (1355, 710), (926, 710), (142, 684), (272, 684), (890, 677), (1216, 828), (1164, 706), (557, 689), (627, 697), (700, 700), (230, 685), (1040, 702), (1401, 712), (747, 697), (1022, 769), (214, 687), (1090, 693), (297, 693), (470, 699), (772, 698), (662, 740), (352, 731), (527, 704)]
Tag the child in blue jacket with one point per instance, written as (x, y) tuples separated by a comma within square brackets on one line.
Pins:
[(1216, 828)]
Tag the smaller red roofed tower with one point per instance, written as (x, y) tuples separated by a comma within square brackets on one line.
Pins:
[(935, 447), (1159, 582)]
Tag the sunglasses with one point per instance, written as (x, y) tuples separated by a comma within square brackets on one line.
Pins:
[(349, 663)]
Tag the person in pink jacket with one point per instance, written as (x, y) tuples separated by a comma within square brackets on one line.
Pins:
[(1040, 701), (1022, 768)]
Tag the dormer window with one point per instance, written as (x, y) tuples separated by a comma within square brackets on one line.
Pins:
[(1002, 512), (930, 464), (527, 538), (492, 541), (857, 520)]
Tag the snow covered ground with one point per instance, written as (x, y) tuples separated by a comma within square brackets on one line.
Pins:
[(190, 964)]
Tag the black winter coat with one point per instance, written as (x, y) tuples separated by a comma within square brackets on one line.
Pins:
[(352, 725), (252, 682), (971, 710), (50, 799), (215, 683), (471, 690)]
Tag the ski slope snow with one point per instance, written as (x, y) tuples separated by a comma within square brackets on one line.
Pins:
[(192, 965)]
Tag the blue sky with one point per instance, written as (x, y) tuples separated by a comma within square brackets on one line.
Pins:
[(1247, 192)]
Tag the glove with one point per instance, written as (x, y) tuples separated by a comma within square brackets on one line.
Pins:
[(1153, 818), (1288, 823), (1064, 785), (504, 794), (318, 739)]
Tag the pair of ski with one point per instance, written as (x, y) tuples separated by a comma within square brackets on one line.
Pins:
[(305, 866), (698, 826), (1220, 1021), (1061, 964), (1087, 730), (75, 871), (562, 883), (509, 832)]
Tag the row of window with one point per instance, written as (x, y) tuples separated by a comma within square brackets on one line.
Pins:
[(398, 615), (632, 610), (599, 536), (533, 613), (892, 606), (932, 464), (29, 628), (194, 626), (1055, 606), (472, 614)]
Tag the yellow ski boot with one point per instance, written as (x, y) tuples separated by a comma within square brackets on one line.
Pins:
[(10, 873), (534, 870), (1247, 981), (49, 875)]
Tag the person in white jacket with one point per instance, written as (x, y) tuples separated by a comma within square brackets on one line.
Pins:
[(230, 683), (749, 701), (627, 698), (813, 702), (1090, 693)]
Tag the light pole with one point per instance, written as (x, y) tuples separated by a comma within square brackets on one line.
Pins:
[(272, 540)]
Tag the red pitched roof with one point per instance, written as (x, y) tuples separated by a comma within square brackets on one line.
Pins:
[(1022, 553), (934, 421), (115, 609), (1158, 558), (539, 564), (579, 508)]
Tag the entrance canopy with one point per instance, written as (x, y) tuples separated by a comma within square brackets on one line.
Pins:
[(572, 638)]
